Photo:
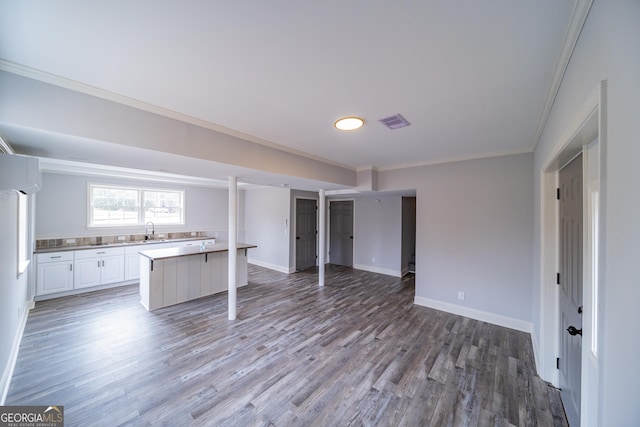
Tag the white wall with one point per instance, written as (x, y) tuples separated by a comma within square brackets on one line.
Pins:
[(61, 209), (609, 49), (34, 104), (378, 234), (268, 225), (474, 234), (13, 288)]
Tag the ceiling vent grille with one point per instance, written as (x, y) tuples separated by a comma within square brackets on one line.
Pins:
[(394, 122)]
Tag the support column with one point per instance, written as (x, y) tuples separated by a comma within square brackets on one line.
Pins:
[(322, 238), (233, 245)]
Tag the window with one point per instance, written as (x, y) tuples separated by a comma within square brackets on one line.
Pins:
[(111, 206), (163, 207)]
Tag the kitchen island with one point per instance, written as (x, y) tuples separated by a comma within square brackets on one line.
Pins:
[(175, 275)]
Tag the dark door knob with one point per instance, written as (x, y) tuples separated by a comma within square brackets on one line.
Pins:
[(573, 331), (297, 237)]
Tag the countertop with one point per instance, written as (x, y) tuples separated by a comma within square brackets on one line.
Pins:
[(155, 254), (116, 245)]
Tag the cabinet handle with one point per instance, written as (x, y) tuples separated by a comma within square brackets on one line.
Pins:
[(70, 267), (53, 257), (103, 263), (98, 264), (101, 252)]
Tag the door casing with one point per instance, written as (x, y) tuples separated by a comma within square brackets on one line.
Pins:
[(586, 134)]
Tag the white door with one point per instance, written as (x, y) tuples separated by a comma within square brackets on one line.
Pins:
[(570, 281)]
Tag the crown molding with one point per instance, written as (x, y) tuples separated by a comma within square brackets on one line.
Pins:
[(457, 159), (5, 147), (576, 23), (55, 80)]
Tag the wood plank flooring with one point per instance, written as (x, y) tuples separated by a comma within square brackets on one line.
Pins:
[(356, 352)]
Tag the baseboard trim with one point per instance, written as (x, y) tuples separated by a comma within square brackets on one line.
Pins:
[(287, 270), (5, 382), (484, 316), (372, 269), (534, 345)]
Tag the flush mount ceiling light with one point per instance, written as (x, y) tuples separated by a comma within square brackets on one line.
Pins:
[(349, 123)]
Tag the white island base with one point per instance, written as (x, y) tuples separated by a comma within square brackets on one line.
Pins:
[(175, 275)]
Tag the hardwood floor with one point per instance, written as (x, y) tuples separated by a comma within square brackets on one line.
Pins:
[(356, 352)]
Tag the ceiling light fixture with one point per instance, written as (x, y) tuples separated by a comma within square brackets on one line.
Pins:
[(349, 123)]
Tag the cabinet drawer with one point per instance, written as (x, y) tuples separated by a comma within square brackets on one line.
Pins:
[(55, 257), (98, 253)]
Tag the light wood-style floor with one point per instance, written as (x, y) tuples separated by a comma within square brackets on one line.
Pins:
[(356, 352)]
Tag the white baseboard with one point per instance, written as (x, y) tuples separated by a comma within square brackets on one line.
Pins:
[(287, 270), (7, 373), (373, 269), (484, 316), (534, 345)]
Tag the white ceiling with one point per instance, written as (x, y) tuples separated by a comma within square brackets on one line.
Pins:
[(473, 78)]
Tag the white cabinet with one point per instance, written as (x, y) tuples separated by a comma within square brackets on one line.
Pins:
[(132, 263), (55, 272), (98, 267), (168, 281)]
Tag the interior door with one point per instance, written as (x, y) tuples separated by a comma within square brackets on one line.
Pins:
[(570, 282), (341, 233), (305, 234)]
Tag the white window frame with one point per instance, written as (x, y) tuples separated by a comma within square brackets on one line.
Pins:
[(139, 203), (23, 233)]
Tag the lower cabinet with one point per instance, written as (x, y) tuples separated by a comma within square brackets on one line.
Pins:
[(98, 267), (54, 273)]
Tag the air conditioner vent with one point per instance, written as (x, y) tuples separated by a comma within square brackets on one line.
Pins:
[(394, 122)]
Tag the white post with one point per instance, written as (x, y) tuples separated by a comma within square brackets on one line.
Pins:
[(322, 238), (233, 244)]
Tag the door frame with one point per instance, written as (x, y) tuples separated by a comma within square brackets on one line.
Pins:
[(586, 134), (295, 229), (353, 246)]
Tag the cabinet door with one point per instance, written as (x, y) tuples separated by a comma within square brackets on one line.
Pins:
[(54, 277), (111, 269), (132, 266), (86, 273)]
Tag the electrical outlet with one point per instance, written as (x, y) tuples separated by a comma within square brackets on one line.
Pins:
[(161, 236), (122, 238), (70, 241), (461, 295), (193, 233)]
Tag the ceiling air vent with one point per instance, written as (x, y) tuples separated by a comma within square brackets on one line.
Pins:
[(394, 122)]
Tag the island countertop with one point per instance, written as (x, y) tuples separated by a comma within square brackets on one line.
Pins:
[(155, 254)]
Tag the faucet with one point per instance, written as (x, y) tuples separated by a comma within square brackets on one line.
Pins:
[(146, 230)]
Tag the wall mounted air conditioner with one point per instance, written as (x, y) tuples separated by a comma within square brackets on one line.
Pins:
[(19, 173)]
